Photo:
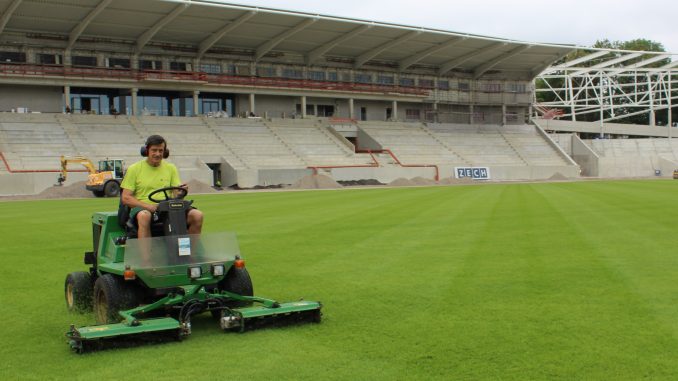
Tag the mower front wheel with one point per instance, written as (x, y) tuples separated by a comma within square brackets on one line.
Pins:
[(237, 281), (78, 292), (111, 295)]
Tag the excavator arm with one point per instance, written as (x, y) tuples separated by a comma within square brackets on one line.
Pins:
[(66, 160)]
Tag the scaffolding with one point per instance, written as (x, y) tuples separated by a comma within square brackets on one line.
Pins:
[(608, 85)]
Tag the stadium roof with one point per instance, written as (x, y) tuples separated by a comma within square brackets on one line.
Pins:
[(265, 33)]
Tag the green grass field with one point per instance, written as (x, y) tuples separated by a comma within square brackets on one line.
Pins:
[(499, 281)]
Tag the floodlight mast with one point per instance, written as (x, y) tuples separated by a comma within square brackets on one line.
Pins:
[(616, 84)]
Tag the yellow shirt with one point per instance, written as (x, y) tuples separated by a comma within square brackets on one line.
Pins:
[(142, 179)]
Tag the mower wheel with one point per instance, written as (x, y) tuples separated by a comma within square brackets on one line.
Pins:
[(112, 189), (111, 295), (237, 281), (78, 291)]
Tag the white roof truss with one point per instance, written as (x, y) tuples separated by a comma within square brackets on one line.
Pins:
[(77, 31), (8, 14), (148, 35), (320, 51), (363, 58), (460, 60), (609, 63), (269, 45), (482, 69), (218, 35), (413, 59)]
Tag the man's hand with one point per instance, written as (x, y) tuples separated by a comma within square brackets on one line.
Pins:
[(151, 207)]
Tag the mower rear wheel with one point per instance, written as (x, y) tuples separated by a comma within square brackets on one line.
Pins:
[(111, 295), (78, 291)]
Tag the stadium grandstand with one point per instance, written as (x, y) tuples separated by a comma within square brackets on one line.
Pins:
[(253, 96)]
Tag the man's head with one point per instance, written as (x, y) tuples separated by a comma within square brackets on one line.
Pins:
[(155, 150)]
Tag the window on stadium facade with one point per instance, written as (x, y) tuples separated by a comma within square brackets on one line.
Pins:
[(178, 66), (516, 88), (427, 83), (50, 59), (409, 82), (119, 63), (385, 80), (210, 68), (464, 86), (363, 78), (293, 73), (491, 87), (266, 71), (317, 75), (443, 85), (12, 57), (412, 114), (332, 76), (150, 64), (84, 61)]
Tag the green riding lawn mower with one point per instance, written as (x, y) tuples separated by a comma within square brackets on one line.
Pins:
[(147, 289)]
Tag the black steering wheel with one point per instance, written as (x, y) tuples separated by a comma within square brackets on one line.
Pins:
[(181, 193)]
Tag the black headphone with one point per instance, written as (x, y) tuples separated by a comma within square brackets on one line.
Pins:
[(154, 140)]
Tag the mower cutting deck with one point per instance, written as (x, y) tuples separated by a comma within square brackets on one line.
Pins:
[(146, 289)]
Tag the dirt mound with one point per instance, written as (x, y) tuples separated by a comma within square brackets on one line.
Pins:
[(360, 182), (75, 190), (454, 181), (195, 186), (558, 176), (401, 182), (422, 181), (316, 182)]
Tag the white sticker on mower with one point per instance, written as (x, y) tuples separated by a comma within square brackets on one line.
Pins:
[(184, 246)]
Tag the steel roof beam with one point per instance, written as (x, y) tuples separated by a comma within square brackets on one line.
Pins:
[(482, 69), (148, 35), (460, 60), (609, 63), (8, 14), (318, 52), (584, 59), (269, 45), (363, 58), (77, 31), (413, 59), (535, 71), (208, 43)]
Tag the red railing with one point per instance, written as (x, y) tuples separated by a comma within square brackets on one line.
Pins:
[(10, 170), (29, 70), (376, 163)]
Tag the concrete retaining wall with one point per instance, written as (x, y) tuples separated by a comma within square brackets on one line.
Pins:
[(585, 157)]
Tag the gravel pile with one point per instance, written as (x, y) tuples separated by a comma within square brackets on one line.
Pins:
[(316, 182)]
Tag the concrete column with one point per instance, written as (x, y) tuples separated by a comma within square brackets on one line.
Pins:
[(135, 106), (394, 110), (351, 109), (470, 112), (503, 115), (67, 97), (123, 103), (134, 62), (196, 99), (303, 106), (252, 109), (435, 112)]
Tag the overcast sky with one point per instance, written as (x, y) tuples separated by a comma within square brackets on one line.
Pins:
[(577, 22)]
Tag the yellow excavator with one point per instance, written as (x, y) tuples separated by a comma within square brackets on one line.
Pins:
[(104, 181)]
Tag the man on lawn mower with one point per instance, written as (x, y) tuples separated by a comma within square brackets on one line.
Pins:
[(147, 175)]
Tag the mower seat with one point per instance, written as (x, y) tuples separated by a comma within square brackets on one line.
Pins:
[(130, 227)]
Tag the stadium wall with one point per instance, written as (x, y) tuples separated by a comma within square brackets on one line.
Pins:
[(34, 98)]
